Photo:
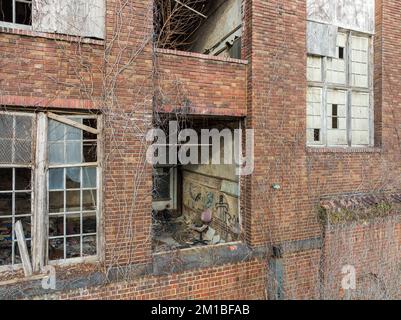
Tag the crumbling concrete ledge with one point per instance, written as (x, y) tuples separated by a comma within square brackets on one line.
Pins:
[(164, 263)]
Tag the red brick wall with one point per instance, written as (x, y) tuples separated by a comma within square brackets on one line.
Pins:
[(277, 112), (238, 281), (373, 249), (275, 35), (275, 106), (206, 85), (301, 277), (40, 67)]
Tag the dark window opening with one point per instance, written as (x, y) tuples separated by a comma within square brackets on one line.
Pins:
[(19, 12), (6, 11), (334, 116), (196, 204), (23, 13), (316, 135), (341, 52), (161, 184), (204, 26)]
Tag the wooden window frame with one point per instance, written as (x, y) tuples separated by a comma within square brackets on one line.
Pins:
[(39, 190)]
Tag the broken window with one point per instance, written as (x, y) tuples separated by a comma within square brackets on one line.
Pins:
[(16, 11), (15, 183), (164, 193), (83, 18), (340, 92), (197, 204), (71, 189), (203, 26)]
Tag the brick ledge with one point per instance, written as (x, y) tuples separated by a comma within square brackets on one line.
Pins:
[(343, 150), (200, 56), (53, 36)]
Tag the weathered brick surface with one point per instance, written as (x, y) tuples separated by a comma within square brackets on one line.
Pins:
[(373, 249), (49, 68), (270, 91), (201, 85), (238, 281)]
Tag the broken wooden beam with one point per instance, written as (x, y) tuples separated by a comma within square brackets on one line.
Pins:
[(192, 9), (71, 123), (23, 250)]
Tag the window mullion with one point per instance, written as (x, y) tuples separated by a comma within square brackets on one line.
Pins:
[(14, 11), (324, 102), (349, 84), (40, 200), (371, 92)]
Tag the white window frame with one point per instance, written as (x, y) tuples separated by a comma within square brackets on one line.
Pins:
[(14, 25), (39, 192), (325, 86)]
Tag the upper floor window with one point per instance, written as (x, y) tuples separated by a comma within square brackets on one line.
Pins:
[(84, 18), (340, 92), (16, 11)]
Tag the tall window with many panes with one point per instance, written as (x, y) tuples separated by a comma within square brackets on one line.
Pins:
[(49, 177), (340, 94)]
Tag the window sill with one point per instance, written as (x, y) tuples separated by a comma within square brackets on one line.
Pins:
[(27, 31), (75, 261), (201, 56), (23, 279), (200, 257), (318, 149)]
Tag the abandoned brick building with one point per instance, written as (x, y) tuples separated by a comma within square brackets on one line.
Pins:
[(81, 84)]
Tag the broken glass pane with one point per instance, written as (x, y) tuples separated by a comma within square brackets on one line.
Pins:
[(56, 226), (73, 152), (5, 251), (89, 222), (89, 245), (56, 152), (90, 151), (73, 247), (90, 123), (17, 258), (73, 202), (89, 177), (73, 224), (56, 179), (5, 241), (88, 200), (23, 13), (73, 178), (56, 201), (6, 179), (22, 203), (26, 226), (161, 184), (56, 249), (6, 11), (22, 179), (6, 203)]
